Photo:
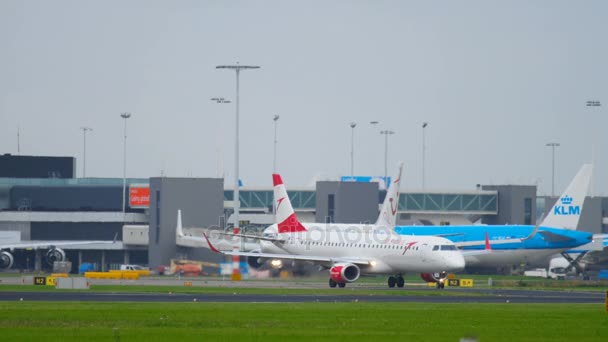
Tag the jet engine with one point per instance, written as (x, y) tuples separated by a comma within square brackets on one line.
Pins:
[(6, 260), (54, 254), (256, 262), (344, 273)]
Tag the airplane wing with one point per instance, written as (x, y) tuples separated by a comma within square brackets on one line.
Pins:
[(313, 258), (449, 234), (51, 244), (481, 242), (461, 244), (487, 249), (474, 252)]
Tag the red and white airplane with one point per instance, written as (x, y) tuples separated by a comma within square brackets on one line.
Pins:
[(349, 250)]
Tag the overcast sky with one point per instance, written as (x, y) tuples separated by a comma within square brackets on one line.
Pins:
[(496, 80)]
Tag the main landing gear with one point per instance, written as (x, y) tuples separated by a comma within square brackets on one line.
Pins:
[(333, 283), (396, 280), (574, 263)]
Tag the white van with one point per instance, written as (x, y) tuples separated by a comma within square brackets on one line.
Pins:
[(132, 268)]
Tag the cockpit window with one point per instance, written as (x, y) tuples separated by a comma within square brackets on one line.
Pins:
[(435, 248), (448, 247)]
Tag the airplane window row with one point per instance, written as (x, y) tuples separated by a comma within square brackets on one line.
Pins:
[(445, 248), (344, 244)]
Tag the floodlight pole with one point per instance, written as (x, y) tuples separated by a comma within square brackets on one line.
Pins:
[(593, 103), (424, 125), (352, 151), (386, 133), (275, 119), (237, 68), (553, 145), (125, 116)]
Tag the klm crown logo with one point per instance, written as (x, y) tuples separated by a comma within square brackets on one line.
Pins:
[(566, 208)]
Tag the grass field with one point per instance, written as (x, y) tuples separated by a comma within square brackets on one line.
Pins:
[(43, 321)]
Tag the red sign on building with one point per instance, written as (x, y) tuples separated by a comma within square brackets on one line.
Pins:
[(139, 196)]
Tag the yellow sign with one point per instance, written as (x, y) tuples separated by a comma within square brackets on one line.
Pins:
[(454, 282), (187, 283), (466, 282), (51, 281), (39, 280)]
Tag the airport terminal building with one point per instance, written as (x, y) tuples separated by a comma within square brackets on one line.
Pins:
[(42, 200)]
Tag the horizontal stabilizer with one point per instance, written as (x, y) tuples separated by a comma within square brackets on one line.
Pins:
[(553, 237)]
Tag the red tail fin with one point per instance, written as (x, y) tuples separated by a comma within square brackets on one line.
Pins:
[(285, 217), (488, 247)]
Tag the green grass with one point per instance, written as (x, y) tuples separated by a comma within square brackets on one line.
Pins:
[(301, 322)]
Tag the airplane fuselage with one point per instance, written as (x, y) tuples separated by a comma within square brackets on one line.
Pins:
[(391, 253), (510, 245)]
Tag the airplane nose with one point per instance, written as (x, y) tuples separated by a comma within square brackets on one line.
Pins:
[(456, 262)]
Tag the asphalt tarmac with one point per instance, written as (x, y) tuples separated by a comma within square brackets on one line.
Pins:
[(476, 296), (356, 292)]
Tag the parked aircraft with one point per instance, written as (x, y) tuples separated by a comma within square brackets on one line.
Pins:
[(521, 244), (54, 253)]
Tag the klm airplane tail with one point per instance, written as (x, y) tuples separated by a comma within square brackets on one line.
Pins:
[(568, 208), (388, 214)]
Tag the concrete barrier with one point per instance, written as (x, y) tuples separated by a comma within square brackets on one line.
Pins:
[(78, 283), (112, 275)]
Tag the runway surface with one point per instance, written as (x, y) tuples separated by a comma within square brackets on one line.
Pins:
[(477, 296)]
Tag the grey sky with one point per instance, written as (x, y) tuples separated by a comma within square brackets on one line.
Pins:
[(496, 80)]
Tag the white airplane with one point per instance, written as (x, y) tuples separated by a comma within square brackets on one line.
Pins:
[(53, 254), (349, 250), (227, 241)]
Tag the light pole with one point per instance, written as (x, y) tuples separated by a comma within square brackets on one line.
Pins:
[(593, 103), (237, 68), (386, 133), (236, 274), (18, 142), (424, 124), (84, 149), (352, 150), (125, 116), (275, 119), (553, 145)]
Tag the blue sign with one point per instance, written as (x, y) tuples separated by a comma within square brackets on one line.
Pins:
[(566, 209), (366, 179)]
